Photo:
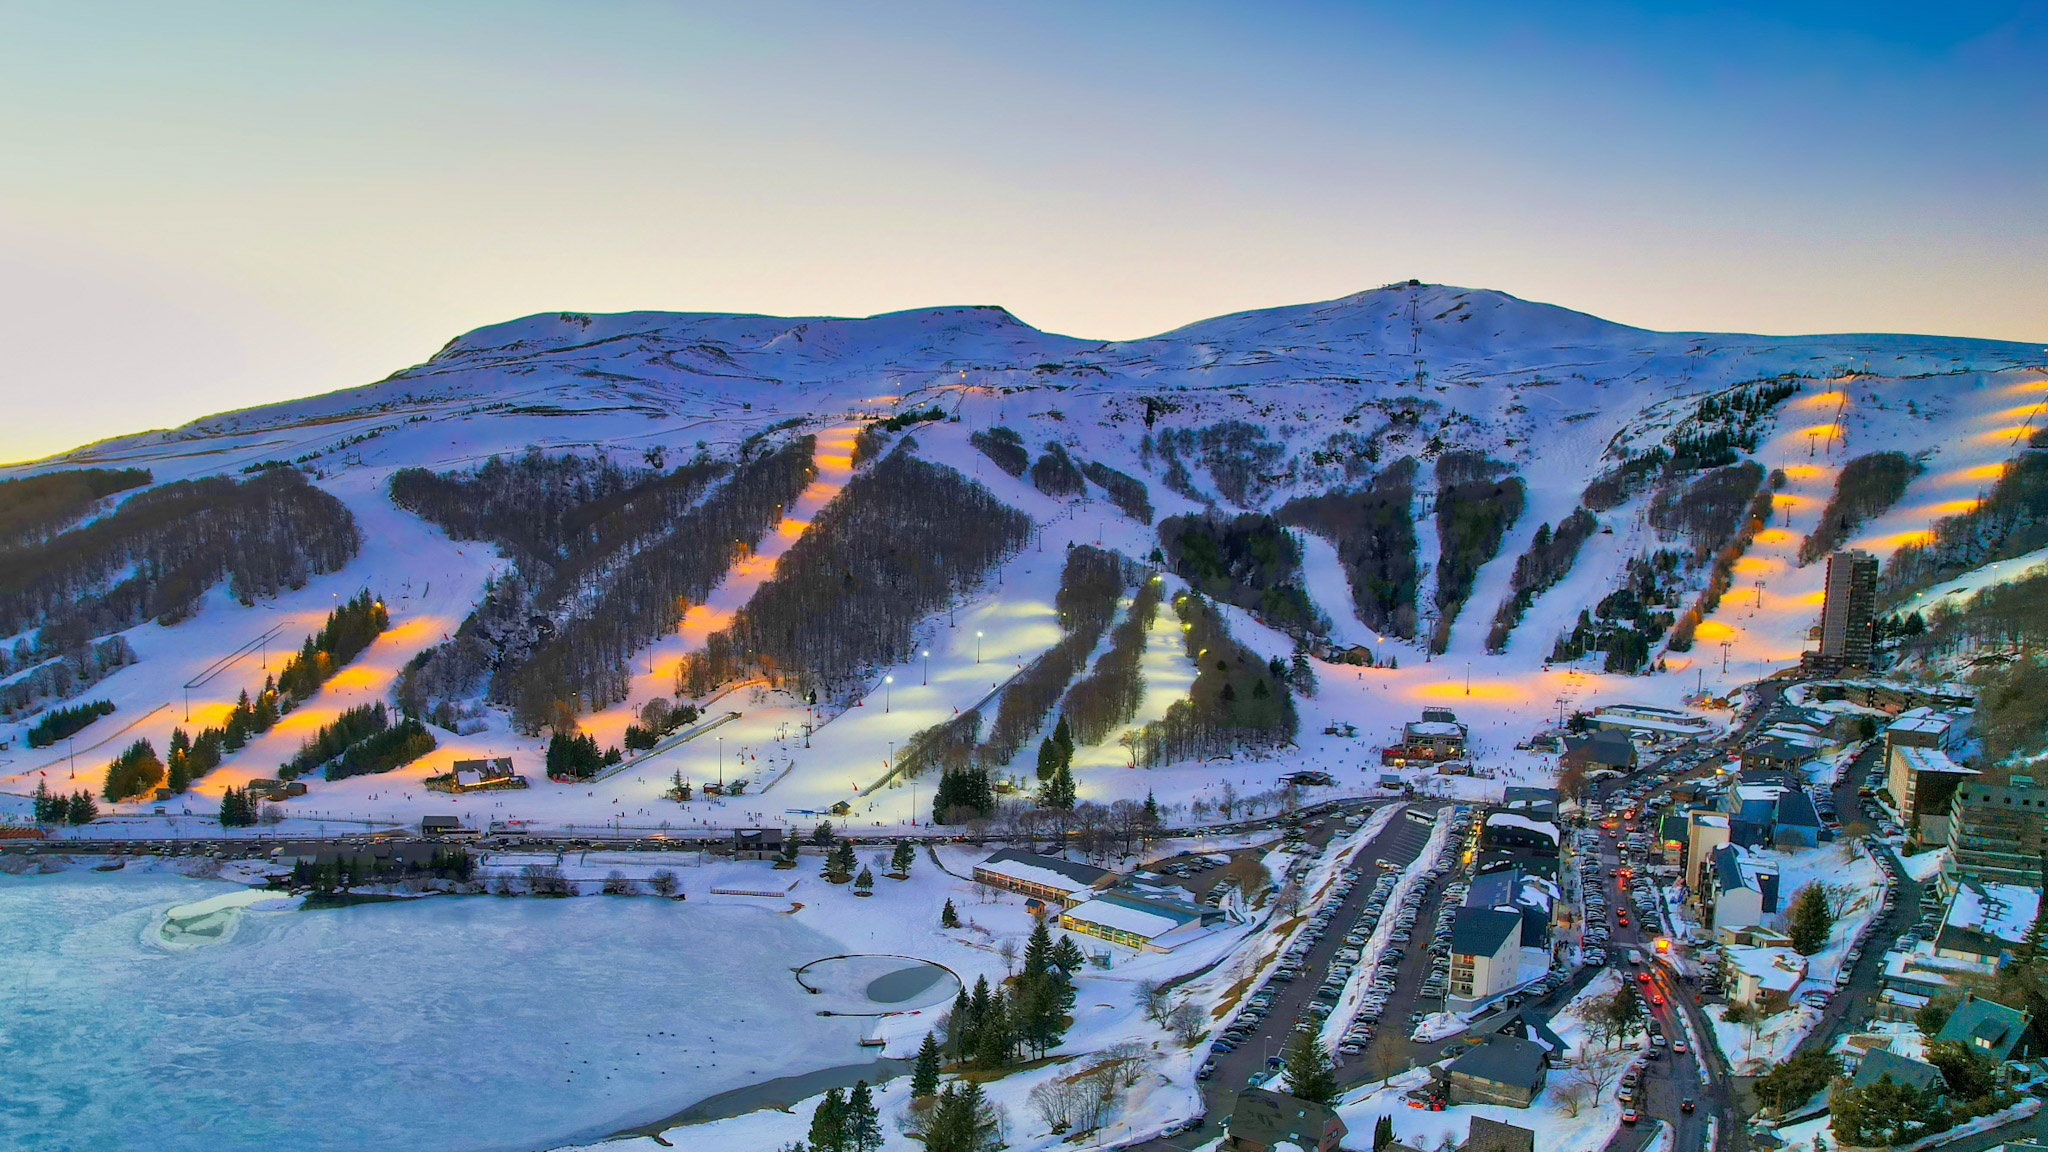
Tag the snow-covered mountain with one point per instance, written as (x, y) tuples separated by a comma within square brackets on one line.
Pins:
[(1524, 403)]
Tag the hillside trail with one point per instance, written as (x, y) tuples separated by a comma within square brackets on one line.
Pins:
[(654, 667)]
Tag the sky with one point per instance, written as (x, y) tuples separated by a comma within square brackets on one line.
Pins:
[(205, 206)]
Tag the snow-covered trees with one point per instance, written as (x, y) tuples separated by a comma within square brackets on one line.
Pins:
[(1547, 560), (155, 555), (1109, 695), (1373, 529), (1475, 506), (901, 539), (1247, 560), (1235, 701)]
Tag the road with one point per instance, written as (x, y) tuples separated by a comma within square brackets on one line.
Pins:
[(1395, 847)]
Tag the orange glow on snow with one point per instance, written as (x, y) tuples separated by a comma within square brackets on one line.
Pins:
[(354, 676), (1803, 471), (2021, 412), (1821, 399), (1948, 507), (2003, 435), (1481, 690), (1714, 630), (1825, 431), (1774, 536), (1898, 539), (2040, 385), (1976, 474)]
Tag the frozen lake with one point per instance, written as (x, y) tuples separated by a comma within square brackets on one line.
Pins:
[(448, 1023)]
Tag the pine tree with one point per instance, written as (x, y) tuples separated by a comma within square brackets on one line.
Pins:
[(1048, 759), (789, 849), (1382, 1133), (1037, 951), (924, 1078), (901, 860), (1063, 736), (864, 883), (1066, 956), (1151, 810), (81, 809), (1308, 1071), (863, 1126), (1810, 920), (828, 1124), (1058, 792), (994, 1033), (960, 1025), (42, 805), (948, 916)]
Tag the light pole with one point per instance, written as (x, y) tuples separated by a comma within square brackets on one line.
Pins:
[(888, 691), (1468, 677), (927, 654), (977, 646)]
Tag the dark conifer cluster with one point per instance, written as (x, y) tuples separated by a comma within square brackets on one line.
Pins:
[(1373, 529), (1248, 560), (58, 723), (1474, 510), (137, 771), (47, 807)]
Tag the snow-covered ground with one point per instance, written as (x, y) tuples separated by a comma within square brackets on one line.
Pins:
[(1541, 388)]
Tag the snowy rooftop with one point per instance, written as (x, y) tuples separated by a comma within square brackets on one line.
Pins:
[(1778, 969), (1138, 915), (1932, 760), (1045, 871), (1516, 820), (1435, 728), (2002, 910)]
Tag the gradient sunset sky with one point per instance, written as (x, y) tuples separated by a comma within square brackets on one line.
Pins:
[(210, 205)]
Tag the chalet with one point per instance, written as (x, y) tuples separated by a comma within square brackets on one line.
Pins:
[(1498, 1070), (1985, 922), (1049, 878), (1883, 1063), (1264, 1120), (1775, 753), (443, 826), (1631, 718), (1986, 1027), (1434, 739)]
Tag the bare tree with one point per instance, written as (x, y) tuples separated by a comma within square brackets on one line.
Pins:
[(1152, 1000), (1595, 1072), (617, 884), (1571, 1099), (1008, 951), (1057, 1101), (1186, 1023), (664, 883)]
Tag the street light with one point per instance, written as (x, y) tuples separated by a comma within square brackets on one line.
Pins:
[(888, 689), (977, 647), (927, 654)]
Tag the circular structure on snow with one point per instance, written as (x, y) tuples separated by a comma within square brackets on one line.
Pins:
[(876, 985)]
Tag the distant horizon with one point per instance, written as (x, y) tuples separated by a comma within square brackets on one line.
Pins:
[(224, 206), (2040, 345)]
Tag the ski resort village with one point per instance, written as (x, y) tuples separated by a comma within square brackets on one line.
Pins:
[(1424, 720)]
